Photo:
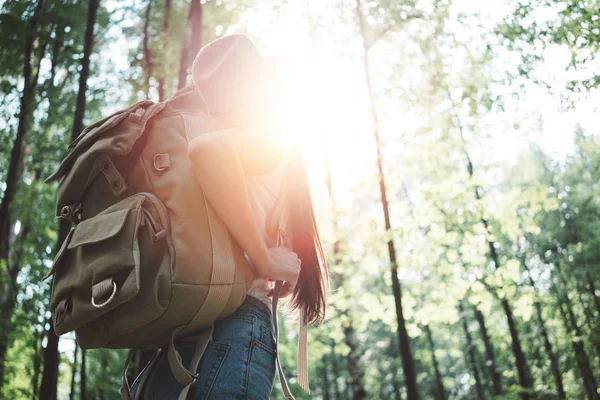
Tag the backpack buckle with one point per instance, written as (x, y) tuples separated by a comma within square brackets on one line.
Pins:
[(72, 213), (65, 212)]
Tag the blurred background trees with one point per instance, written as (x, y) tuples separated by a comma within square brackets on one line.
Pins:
[(454, 160)]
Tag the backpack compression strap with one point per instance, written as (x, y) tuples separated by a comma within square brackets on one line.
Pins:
[(179, 372)]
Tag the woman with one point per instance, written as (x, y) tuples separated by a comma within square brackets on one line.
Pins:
[(253, 183)]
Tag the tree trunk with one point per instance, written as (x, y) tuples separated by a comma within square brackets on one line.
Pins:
[(489, 353), (589, 382), (471, 353), (73, 373), (593, 327), (9, 302), (592, 288), (8, 276), (85, 68), (30, 78), (520, 360), (575, 334), (147, 52), (590, 320), (336, 371), (325, 380), (548, 347), (51, 361), (356, 373), (191, 44), (161, 79), (4, 345), (546, 338), (521, 364), (51, 357), (37, 361), (410, 377), (82, 377), (396, 385), (440, 392), (103, 374)]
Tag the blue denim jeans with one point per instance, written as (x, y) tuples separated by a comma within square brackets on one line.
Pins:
[(239, 362)]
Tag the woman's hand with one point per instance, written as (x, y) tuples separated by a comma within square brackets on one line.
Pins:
[(280, 264)]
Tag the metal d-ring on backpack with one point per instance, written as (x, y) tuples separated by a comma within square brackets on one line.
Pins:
[(147, 259)]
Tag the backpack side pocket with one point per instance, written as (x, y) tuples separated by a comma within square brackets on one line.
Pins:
[(100, 271)]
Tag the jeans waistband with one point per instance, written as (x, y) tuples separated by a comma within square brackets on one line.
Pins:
[(251, 305), (256, 307)]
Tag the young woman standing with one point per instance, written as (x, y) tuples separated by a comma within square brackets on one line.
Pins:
[(260, 190)]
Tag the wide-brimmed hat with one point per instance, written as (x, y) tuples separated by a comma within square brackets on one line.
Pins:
[(234, 77)]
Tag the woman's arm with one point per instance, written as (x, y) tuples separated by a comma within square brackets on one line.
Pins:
[(217, 159)]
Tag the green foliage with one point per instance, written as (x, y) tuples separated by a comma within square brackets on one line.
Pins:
[(537, 25), (443, 100)]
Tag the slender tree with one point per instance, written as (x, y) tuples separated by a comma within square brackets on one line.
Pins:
[(489, 352), (356, 373), (410, 377), (165, 29), (192, 40), (73, 372), (33, 55), (440, 392), (590, 321), (83, 376), (592, 289), (472, 358), (103, 374), (570, 322), (554, 365), (85, 69), (324, 374), (337, 391), (51, 356), (148, 64), (520, 360), (37, 361)]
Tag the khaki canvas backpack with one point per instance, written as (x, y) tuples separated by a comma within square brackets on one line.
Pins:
[(147, 259)]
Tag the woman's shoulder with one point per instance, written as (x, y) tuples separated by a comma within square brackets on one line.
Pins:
[(262, 151)]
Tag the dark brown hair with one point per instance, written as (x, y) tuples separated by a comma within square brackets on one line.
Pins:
[(311, 291)]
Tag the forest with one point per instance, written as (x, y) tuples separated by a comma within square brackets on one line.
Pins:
[(453, 152)]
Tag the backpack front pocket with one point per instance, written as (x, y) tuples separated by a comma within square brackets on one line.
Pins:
[(102, 265)]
